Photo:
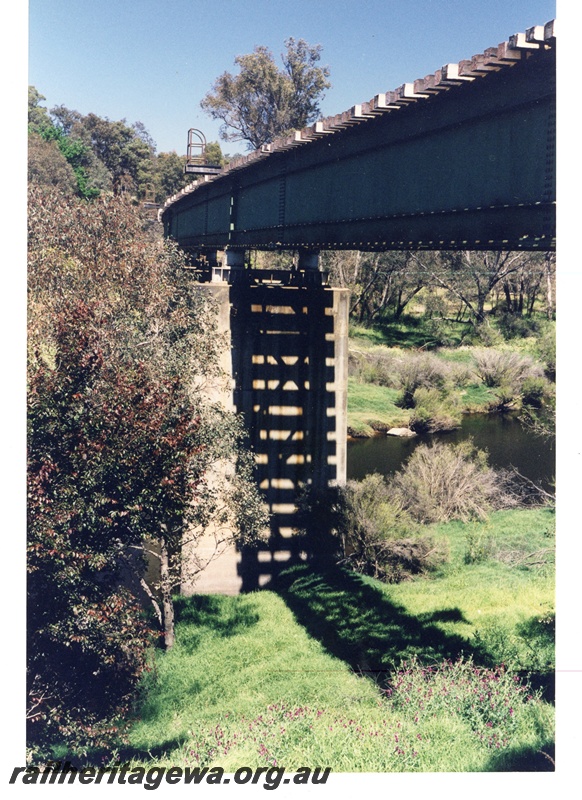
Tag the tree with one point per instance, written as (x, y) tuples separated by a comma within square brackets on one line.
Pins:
[(47, 166), (116, 145), (38, 117), (169, 175), (121, 445), (104, 155), (378, 282), (471, 276), (263, 102)]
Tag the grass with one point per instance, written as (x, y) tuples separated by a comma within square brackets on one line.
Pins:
[(310, 671), (408, 332), (372, 408)]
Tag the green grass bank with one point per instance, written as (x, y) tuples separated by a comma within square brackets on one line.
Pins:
[(310, 671)]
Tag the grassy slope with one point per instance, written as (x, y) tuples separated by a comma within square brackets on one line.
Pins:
[(277, 675)]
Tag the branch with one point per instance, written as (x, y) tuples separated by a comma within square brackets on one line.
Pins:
[(154, 602)]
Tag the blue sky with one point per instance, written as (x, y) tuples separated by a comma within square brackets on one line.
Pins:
[(155, 60)]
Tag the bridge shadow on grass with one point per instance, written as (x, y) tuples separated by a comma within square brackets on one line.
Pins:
[(359, 623)]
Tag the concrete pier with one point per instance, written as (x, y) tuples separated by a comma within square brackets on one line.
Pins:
[(287, 356)]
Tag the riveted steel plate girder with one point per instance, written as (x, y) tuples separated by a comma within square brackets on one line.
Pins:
[(471, 167)]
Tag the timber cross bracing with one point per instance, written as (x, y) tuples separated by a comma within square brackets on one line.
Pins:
[(461, 159)]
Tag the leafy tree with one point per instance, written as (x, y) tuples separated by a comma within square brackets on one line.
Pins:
[(262, 101), (48, 166), (123, 452), (169, 175), (38, 117), (107, 453), (214, 154), (105, 155), (117, 146)]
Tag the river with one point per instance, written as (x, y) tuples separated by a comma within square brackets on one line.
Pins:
[(505, 439)]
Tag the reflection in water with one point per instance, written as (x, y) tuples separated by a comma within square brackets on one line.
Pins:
[(507, 442)]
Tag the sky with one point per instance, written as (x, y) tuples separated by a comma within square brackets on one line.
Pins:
[(154, 61)]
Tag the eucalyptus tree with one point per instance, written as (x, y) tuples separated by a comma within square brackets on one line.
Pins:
[(263, 101)]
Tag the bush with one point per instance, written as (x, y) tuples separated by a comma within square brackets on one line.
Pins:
[(376, 367), (420, 371), (486, 335), (546, 347), (534, 391), (505, 398), (514, 326), (433, 412), (379, 537), (527, 647), (445, 482), (504, 368)]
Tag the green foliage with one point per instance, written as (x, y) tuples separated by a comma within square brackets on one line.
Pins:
[(487, 335), (444, 482), (546, 347), (534, 391), (104, 155), (516, 326), (121, 444), (263, 102), (434, 411), (108, 464), (378, 536)]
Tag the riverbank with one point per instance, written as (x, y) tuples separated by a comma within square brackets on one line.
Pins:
[(372, 409), (430, 391)]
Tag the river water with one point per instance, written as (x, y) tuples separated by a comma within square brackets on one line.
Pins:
[(505, 439)]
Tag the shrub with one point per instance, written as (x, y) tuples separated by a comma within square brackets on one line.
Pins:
[(546, 347), (486, 335), (504, 368), (420, 371), (534, 391), (376, 367), (460, 374), (379, 537), (433, 412), (528, 646), (444, 482), (505, 397), (514, 326)]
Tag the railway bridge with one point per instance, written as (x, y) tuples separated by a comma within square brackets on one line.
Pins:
[(462, 159)]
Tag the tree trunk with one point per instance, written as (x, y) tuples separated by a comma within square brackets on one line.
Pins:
[(549, 298), (166, 588), (508, 299)]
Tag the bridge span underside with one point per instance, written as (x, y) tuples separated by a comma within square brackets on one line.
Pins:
[(468, 167)]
